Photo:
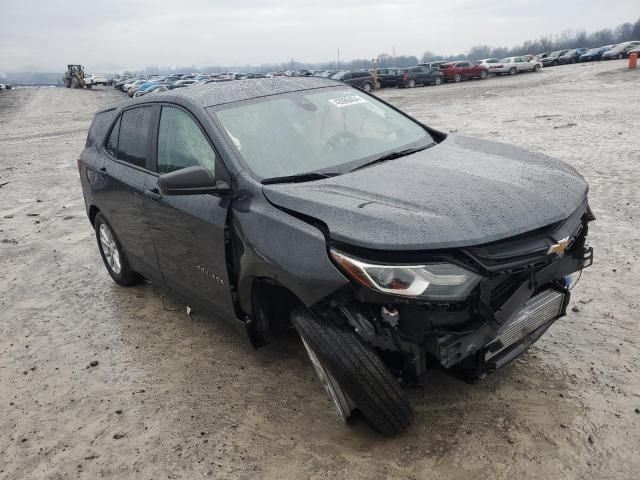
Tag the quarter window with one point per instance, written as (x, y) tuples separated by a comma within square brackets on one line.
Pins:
[(134, 136), (112, 144), (181, 143)]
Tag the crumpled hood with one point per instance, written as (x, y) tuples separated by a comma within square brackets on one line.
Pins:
[(459, 193)]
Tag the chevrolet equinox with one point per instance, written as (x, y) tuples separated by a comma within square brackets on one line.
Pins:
[(392, 248)]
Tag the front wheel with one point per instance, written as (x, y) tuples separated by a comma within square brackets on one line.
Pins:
[(412, 83), (438, 81), (113, 255), (457, 77), (353, 374), (367, 87), (536, 68), (378, 85), (483, 75)]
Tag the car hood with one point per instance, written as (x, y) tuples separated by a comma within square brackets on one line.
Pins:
[(459, 193)]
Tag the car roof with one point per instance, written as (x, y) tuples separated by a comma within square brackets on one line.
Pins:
[(218, 93)]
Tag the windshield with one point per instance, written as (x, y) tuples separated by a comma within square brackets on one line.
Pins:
[(331, 129)]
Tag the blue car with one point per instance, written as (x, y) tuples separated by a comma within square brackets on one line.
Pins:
[(593, 54)]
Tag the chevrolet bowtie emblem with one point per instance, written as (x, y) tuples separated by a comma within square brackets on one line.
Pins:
[(560, 247)]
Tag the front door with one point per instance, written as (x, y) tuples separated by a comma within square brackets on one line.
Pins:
[(189, 230)]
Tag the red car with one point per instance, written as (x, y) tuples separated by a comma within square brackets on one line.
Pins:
[(456, 71)]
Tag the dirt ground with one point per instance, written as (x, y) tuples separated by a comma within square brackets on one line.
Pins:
[(179, 397)]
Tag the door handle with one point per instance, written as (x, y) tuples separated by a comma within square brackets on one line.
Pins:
[(153, 194), (103, 171)]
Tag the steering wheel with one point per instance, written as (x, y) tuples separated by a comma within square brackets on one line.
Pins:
[(340, 139)]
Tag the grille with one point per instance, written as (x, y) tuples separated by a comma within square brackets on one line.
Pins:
[(536, 312)]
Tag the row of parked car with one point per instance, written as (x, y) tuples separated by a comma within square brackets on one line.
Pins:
[(433, 73)]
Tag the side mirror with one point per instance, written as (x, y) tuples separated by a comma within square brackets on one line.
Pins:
[(191, 181)]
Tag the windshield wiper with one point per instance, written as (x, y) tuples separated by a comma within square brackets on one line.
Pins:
[(392, 156), (298, 177)]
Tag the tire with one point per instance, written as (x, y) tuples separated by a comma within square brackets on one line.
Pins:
[(620, 56), (378, 85), (457, 77), (357, 371), (367, 87), (513, 71), (89, 86), (555, 63), (109, 246), (412, 83), (536, 68), (438, 81), (483, 75)]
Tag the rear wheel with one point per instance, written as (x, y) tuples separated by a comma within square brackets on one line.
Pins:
[(353, 374), (536, 67), (113, 255), (412, 83), (513, 71)]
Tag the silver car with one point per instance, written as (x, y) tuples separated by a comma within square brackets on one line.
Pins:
[(513, 65)]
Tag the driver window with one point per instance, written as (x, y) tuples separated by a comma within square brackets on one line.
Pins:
[(181, 143)]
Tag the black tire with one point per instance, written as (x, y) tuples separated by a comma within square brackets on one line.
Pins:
[(378, 85), (359, 371), (555, 63), (513, 71), (126, 276), (483, 74), (457, 77), (412, 83), (367, 87), (536, 68), (438, 81)]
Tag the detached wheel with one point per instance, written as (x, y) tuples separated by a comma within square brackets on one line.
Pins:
[(113, 255), (353, 374)]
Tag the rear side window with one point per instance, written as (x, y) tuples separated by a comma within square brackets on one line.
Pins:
[(112, 143), (134, 136), (181, 143)]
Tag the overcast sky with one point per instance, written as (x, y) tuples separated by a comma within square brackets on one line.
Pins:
[(112, 34)]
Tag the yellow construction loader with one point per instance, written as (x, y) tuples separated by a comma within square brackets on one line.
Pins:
[(74, 77)]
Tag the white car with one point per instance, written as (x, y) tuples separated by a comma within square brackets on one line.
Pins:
[(493, 64), (513, 65), (95, 79)]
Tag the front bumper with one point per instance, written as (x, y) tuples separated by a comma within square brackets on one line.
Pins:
[(519, 322)]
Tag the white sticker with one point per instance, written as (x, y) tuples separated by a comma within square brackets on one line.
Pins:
[(346, 101)]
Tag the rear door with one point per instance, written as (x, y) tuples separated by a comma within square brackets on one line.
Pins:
[(119, 174), (463, 69), (189, 230)]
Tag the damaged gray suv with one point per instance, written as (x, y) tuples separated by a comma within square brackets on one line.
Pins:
[(391, 248)]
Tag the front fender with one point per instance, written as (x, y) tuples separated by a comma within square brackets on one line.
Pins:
[(269, 243)]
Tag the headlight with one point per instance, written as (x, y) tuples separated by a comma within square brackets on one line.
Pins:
[(433, 281)]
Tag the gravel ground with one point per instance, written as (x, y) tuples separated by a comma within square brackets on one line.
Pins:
[(97, 381)]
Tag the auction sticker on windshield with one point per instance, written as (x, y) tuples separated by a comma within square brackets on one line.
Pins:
[(346, 101)]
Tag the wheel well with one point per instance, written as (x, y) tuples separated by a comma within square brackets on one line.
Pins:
[(93, 211), (272, 304)]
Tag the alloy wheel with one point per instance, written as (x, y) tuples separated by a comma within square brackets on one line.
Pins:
[(110, 249), (344, 405)]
